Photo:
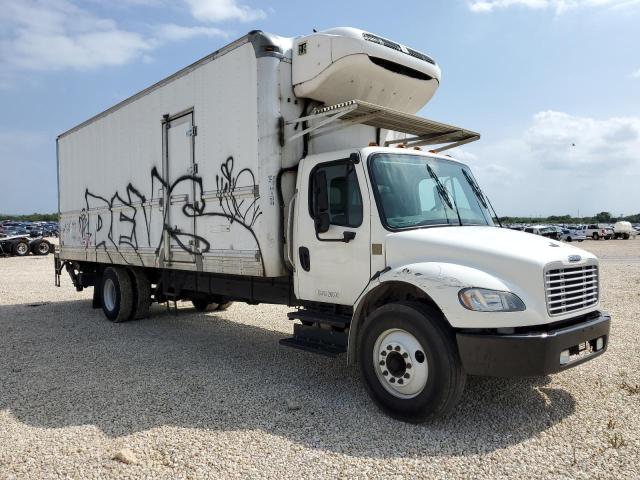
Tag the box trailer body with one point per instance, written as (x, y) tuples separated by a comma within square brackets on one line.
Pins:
[(290, 170)]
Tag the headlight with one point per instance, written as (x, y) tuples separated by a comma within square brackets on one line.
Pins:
[(483, 300)]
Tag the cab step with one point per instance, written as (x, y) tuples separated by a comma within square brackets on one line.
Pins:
[(317, 340), (324, 318)]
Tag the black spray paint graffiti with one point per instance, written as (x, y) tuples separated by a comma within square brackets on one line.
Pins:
[(134, 208)]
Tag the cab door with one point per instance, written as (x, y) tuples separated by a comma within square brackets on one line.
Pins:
[(332, 266)]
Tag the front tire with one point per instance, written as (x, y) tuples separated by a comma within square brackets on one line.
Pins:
[(409, 362), (117, 294)]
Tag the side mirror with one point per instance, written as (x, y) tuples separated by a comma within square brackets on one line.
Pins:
[(320, 202)]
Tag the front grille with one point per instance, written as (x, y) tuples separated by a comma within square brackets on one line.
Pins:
[(369, 37), (570, 289)]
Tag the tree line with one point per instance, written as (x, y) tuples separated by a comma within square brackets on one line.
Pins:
[(32, 217)]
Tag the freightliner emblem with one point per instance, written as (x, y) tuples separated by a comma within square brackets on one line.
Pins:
[(575, 258)]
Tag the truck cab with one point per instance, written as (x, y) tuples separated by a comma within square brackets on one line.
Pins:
[(404, 241)]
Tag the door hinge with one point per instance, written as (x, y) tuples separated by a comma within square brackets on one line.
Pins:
[(192, 132)]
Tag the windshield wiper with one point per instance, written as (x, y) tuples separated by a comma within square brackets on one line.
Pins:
[(480, 195), (443, 193), (476, 189)]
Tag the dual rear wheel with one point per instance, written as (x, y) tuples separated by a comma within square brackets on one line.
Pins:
[(125, 294)]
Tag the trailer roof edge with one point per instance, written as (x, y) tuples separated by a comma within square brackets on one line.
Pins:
[(180, 73)]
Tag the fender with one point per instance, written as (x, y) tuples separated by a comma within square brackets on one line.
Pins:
[(440, 282)]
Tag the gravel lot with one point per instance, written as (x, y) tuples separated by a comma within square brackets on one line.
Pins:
[(213, 395)]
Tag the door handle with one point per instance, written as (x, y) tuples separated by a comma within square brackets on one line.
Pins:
[(305, 258)]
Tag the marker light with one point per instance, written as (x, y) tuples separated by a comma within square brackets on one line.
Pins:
[(484, 300)]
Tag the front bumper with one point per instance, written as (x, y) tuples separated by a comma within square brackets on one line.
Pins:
[(534, 353)]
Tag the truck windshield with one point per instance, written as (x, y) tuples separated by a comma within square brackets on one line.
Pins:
[(408, 195)]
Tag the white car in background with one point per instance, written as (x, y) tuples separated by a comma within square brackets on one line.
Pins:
[(572, 235), (598, 231)]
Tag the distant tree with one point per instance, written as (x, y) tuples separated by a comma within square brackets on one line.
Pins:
[(603, 217), (33, 217)]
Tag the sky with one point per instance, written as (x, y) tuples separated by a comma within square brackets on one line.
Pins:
[(553, 86)]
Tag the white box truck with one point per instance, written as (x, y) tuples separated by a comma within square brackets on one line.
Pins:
[(289, 171)]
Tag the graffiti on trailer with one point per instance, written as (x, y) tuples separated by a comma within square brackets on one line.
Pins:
[(133, 208)]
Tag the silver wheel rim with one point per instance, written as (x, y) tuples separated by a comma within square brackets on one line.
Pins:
[(43, 248), (109, 294), (22, 248), (400, 363)]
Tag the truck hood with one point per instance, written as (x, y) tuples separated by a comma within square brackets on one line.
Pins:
[(446, 259), (493, 249)]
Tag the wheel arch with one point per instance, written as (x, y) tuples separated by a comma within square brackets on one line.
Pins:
[(383, 294)]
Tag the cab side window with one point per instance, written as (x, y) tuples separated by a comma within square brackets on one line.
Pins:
[(345, 200)]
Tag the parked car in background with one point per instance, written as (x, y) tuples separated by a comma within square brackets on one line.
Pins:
[(596, 232), (31, 229), (624, 230), (572, 235), (544, 230)]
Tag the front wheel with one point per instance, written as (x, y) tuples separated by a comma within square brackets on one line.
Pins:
[(409, 362)]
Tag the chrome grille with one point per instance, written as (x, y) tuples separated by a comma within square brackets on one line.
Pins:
[(571, 288)]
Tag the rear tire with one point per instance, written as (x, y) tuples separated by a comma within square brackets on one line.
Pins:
[(41, 247), (626, 236), (117, 294), (204, 305), (96, 300), (596, 236), (405, 340), (141, 295), (21, 248), (569, 239)]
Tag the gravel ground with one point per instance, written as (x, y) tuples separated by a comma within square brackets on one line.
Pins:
[(201, 395)]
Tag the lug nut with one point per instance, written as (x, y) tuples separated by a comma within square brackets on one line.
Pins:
[(389, 347), (406, 375), (383, 353), (382, 362), (392, 380)]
